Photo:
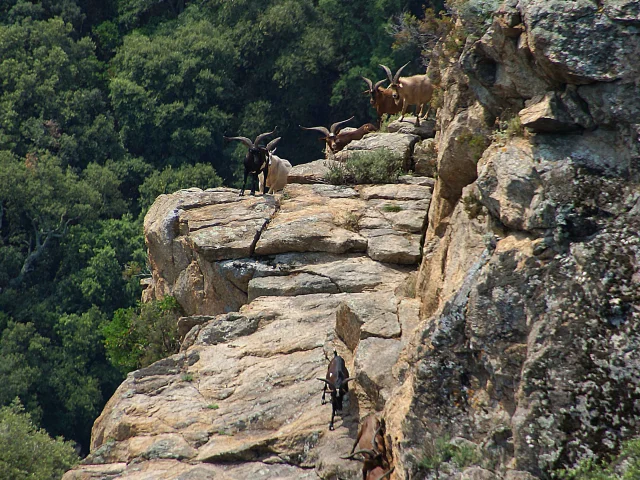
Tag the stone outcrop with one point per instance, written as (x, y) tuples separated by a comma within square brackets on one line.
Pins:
[(502, 325), (264, 283), (529, 294)]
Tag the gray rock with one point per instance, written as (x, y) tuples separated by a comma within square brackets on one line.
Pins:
[(407, 126), (393, 247), (557, 33), (374, 361), (296, 284), (312, 172)]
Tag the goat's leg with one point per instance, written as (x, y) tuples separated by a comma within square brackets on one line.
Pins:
[(254, 183), (404, 110), (266, 174), (244, 183), (418, 111), (333, 415), (324, 393)]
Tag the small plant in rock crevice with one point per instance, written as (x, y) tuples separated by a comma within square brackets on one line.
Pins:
[(391, 208), (474, 143)]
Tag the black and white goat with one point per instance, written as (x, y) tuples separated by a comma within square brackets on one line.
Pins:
[(337, 382), (256, 161)]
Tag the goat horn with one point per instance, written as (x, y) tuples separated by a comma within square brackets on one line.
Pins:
[(271, 146), (347, 380), (387, 474), (397, 75), (373, 440), (378, 83), (368, 82), (335, 126), (326, 381), (244, 140), (364, 451), (318, 129), (388, 72), (263, 135)]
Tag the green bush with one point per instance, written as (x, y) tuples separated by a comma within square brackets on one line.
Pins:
[(137, 337), (376, 166), (29, 453), (625, 466)]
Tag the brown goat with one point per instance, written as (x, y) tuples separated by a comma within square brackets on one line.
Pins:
[(378, 473), (416, 90), (344, 138), (381, 99), (370, 444), (329, 134)]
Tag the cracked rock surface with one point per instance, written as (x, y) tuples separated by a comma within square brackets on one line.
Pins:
[(267, 284)]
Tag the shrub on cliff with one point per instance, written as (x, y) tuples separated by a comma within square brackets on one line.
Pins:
[(27, 452), (376, 166), (137, 337)]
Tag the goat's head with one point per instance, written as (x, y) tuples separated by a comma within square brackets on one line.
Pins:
[(394, 82), (372, 91), (329, 134)]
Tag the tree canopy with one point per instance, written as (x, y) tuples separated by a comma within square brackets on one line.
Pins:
[(106, 104)]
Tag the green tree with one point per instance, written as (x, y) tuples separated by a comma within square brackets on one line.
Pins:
[(29, 453), (137, 337), (40, 201), (52, 97), (167, 93), (170, 180)]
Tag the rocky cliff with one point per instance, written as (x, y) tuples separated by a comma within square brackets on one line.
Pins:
[(494, 308)]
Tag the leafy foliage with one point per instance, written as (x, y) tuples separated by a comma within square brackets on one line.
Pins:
[(377, 166), (27, 452), (170, 180), (625, 466), (137, 337)]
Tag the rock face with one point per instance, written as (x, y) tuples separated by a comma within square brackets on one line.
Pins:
[(515, 343), (529, 280), (262, 281)]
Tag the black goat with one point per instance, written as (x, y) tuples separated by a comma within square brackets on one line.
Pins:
[(337, 381), (256, 161)]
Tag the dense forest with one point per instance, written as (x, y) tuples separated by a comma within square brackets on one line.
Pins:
[(105, 104)]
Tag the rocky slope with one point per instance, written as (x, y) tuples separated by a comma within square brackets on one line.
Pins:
[(270, 287), (505, 320)]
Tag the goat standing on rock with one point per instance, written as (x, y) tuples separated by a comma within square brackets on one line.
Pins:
[(255, 161), (416, 90), (278, 169), (337, 381), (381, 99)]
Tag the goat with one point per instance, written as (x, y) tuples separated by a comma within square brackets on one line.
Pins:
[(337, 382), (344, 138), (416, 90), (255, 161), (370, 444), (278, 169), (329, 135), (381, 99), (378, 473)]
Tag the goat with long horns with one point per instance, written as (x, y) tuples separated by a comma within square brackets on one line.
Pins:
[(329, 134), (255, 161), (415, 90)]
